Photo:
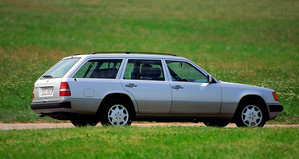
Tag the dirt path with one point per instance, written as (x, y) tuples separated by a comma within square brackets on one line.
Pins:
[(11, 126)]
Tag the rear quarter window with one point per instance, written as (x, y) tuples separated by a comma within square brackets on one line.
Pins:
[(105, 68)]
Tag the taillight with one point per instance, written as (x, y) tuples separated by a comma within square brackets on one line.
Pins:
[(33, 92), (275, 96), (65, 89)]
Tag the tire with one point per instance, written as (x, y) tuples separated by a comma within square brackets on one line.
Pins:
[(216, 123), (250, 114), (84, 121), (117, 113)]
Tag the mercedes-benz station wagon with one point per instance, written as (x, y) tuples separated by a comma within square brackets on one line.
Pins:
[(116, 89)]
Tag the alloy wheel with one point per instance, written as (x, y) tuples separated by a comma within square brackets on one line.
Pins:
[(118, 115), (252, 115)]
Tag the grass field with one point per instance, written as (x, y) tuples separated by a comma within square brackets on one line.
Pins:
[(151, 142), (252, 42)]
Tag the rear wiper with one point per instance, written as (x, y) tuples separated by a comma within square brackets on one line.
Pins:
[(47, 76)]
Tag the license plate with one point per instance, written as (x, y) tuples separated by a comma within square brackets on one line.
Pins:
[(47, 91)]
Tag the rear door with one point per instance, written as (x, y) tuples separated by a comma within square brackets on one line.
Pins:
[(145, 80)]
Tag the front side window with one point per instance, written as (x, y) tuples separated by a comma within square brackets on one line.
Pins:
[(183, 71), (105, 68), (61, 68), (144, 70)]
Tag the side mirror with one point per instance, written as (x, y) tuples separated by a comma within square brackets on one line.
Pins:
[(210, 78)]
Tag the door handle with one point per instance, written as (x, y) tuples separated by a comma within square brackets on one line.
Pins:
[(131, 85), (177, 87)]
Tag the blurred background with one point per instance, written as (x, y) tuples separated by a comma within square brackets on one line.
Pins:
[(252, 42)]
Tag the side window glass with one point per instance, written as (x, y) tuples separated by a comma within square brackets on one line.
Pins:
[(99, 69), (183, 71), (144, 70), (85, 70)]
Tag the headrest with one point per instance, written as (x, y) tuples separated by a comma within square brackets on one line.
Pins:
[(145, 70), (155, 72)]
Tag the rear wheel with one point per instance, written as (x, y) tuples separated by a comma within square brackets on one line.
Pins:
[(216, 123), (84, 121), (117, 113), (250, 115)]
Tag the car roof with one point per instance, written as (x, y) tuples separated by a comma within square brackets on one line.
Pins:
[(129, 56)]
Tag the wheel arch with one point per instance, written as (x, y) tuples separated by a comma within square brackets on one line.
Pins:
[(122, 96), (252, 98)]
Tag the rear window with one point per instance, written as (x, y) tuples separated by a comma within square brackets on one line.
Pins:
[(61, 68)]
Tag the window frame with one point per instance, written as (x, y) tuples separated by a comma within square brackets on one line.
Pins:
[(165, 73), (89, 59)]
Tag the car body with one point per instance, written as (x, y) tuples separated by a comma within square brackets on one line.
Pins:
[(117, 89)]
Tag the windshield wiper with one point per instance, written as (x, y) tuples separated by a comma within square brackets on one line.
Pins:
[(47, 76)]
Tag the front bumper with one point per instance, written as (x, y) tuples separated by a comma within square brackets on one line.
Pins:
[(274, 110)]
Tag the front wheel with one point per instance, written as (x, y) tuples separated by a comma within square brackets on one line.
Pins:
[(117, 113), (250, 115)]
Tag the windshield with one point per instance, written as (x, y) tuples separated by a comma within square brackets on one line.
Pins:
[(61, 68)]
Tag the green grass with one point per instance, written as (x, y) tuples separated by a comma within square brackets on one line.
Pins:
[(252, 42), (150, 142)]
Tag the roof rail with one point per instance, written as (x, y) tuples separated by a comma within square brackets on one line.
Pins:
[(129, 52)]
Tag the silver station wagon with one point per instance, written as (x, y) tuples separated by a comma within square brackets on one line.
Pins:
[(121, 87)]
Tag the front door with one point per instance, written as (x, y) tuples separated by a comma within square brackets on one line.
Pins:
[(145, 80), (191, 92)]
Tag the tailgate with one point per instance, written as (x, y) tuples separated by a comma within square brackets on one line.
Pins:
[(47, 90)]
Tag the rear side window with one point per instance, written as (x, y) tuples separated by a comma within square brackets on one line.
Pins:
[(144, 70), (61, 68), (105, 68)]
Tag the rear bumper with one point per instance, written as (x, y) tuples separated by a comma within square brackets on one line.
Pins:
[(274, 110), (50, 107)]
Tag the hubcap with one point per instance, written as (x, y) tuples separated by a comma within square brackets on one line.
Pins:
[(251, 115), (118, 115)]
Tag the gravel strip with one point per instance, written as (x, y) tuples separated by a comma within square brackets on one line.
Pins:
[(18, 126)]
